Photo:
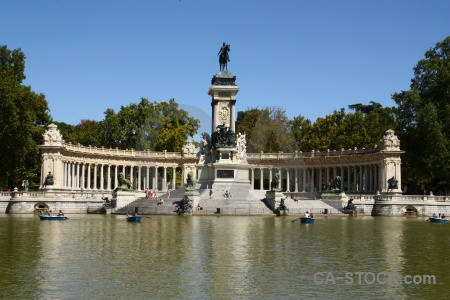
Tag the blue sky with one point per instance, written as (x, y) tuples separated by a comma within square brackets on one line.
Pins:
[(307, 57)]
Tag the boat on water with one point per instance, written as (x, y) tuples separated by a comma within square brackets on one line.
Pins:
[(53, 218), (306, 220), (438, 220), (134, 218)]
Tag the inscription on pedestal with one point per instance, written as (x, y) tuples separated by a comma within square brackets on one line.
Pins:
[(225, 174)]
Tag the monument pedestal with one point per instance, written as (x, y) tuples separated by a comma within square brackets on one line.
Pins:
[(275, 198), (193, 196), (123, 198)]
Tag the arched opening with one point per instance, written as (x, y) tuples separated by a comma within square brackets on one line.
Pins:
[(409, 210), (42, 206)]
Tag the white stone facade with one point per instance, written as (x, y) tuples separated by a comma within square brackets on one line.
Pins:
[(363, 171)]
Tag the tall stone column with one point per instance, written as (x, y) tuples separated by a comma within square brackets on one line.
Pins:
[(116, 174), (174, 178), (253, 178), (288, 180), (147, 178), (74, 179), (83, 182), (95, 177), (139, 178), (261, 178), (164, 186), (101, 178), (304, 180), (156, 178), (109, 178), (89, 177)]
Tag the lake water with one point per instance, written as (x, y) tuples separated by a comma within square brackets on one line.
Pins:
[(220, 257)]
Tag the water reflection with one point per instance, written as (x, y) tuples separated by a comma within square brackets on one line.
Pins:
[(102, 257)]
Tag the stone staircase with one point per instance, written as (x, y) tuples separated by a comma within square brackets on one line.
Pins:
[(243, 201)]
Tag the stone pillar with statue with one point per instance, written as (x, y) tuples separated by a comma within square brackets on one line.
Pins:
[(390, 169), (52, 165), (222, 157)]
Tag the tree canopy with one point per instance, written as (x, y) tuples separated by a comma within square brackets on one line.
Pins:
[(266, 130), (424, 122), (155, 126), (23, 117)]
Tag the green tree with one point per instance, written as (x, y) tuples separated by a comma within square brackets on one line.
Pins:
[(301, 129), (363, 128), (424, 122), (87, 133), (65, 129), (23, 117), (153, 126), (266, 130)]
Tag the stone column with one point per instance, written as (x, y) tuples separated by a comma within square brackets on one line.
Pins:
[(95, 177), (109, 178), (304, 179), (253, 177), (312, 180), (139, 178), (147, 178), (270, 178), (342, 179), (296, 180), (116, 180), (101, 178), (83, 179), (174, 183), (156, 178), (261, 180), (164, 187), (74, 180), (375, 183), (288, 180), (89, 177)]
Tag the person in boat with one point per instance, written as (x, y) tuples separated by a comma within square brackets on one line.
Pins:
[(442, 216), (128, 214), (434, 215), (311, 216), (307, 215), (60, 214), (49, 213), (133, 214), (41, 212)]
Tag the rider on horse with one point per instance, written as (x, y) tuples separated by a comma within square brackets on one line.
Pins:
[(224, 58)]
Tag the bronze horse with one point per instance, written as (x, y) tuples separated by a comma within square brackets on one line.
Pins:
[(224, 58)]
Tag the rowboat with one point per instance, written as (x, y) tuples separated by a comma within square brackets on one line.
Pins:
[(306, 220), (52, 218), (438, 220), (134, 219)]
